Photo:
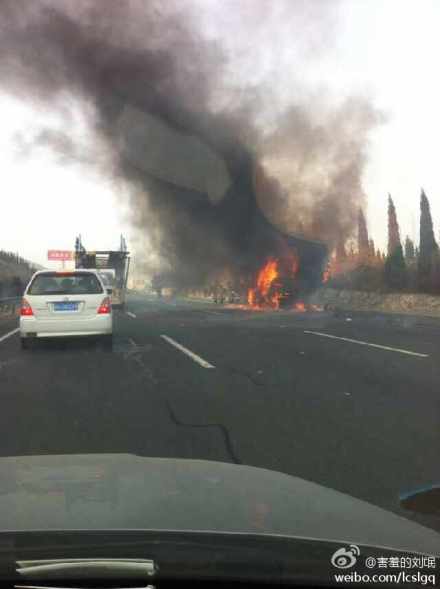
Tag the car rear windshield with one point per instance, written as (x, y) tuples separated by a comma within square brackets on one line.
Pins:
[(54, 283)]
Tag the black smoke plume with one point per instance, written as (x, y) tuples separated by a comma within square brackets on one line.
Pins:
[(293, 163)]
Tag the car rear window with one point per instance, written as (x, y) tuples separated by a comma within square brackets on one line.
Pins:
[(65, 283)]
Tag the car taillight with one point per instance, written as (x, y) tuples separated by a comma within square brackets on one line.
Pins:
[(105, 307), (26, 309)]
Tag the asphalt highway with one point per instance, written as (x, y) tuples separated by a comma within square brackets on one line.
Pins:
[(348, 401)]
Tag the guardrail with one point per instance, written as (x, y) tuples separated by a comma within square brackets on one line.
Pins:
[(9, 305)]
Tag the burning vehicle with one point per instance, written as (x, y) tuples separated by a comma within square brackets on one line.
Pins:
[(287, 280)]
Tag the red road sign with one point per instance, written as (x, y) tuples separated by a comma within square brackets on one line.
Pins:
[(60, 255)]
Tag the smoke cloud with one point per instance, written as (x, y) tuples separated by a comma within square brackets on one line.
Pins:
[(233, 76)]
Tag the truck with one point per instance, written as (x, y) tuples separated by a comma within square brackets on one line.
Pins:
[(112, 266)]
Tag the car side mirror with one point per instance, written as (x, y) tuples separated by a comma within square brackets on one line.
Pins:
[(109, 291)]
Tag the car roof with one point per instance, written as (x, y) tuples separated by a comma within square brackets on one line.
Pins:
[(74, 271)]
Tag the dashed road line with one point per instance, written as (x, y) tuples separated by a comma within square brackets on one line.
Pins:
[(362, 343), (3, 337), (130, 314), (192, 355)]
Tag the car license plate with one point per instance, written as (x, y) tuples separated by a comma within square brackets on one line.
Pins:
[(65, 306)]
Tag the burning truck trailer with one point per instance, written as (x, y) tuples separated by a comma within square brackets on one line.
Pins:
[(275, 270), (289, 275), (282, 274), (281, 270)]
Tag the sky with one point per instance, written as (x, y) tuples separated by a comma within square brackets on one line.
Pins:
[(385, 49), (393, 56), (49, 200)]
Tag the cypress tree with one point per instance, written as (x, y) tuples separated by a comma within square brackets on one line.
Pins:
[(428, 247), (395, 268)]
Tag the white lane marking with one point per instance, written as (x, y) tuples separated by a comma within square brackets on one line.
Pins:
[(361, 343), (3, 337), (132, 342), (193, 356), (130, 314)]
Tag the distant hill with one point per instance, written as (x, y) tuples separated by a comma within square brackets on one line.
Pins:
[(14, 273)]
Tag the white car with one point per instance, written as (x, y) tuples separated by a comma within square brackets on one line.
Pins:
[(65, 304)]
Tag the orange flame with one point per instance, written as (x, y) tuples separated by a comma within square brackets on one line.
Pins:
[(275, 284), (261, 296), (266, 276), (267, 292)]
